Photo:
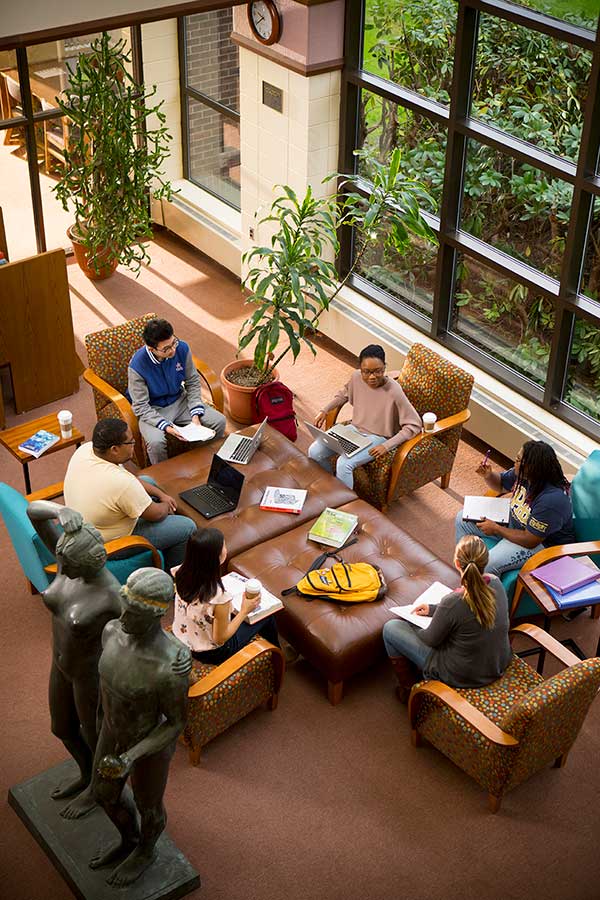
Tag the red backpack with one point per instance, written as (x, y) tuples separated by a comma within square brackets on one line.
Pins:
[(276, 402)]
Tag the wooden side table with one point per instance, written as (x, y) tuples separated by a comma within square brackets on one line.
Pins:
[(550, 610), (12, 437)]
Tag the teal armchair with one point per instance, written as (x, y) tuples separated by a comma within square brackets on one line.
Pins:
[(38, 563), (585, 496)]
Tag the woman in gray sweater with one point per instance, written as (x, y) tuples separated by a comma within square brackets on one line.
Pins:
[(466, 645)]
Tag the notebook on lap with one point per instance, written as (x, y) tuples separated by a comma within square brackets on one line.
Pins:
[(220, 494), (342, 439), (240, 448)]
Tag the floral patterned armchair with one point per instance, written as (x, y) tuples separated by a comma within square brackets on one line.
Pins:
[(109, 352), (222, 695), (503, 733), (432, 384)]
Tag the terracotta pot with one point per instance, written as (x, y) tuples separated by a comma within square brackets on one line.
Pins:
[(240, 399), (81, 255)]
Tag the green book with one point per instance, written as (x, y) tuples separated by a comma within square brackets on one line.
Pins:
[(333, 527)]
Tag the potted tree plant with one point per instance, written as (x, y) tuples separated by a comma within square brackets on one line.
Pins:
[(294, 280), (112, 160)]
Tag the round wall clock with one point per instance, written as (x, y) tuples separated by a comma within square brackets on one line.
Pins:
[(265, 21)]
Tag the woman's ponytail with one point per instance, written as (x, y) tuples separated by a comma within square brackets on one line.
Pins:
[(472, 556)]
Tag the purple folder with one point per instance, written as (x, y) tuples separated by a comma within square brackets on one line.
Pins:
[(566, 574)]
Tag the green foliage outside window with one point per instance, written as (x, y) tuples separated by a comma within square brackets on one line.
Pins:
[(533, 87)]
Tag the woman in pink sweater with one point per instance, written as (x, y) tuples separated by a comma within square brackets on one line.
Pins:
[(380, 409)]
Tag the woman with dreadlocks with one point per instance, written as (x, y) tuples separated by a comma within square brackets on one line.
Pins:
[(466, 645), (541, 514)]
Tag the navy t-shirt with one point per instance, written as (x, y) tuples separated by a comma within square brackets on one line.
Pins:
[(550, 515)]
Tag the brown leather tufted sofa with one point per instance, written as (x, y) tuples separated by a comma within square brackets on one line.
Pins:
[(339, 640)]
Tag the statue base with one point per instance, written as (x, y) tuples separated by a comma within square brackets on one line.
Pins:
[(70, 844)]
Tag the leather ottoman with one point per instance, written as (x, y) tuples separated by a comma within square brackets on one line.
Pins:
[(278, 462), (343, 639)]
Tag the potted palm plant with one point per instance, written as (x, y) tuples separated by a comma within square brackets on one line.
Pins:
[(112, 161), (292, 281)]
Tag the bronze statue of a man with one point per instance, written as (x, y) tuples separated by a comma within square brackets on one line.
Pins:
[(83, 597), (143, 686)]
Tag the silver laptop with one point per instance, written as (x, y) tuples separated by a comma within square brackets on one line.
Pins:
[(240, 448), (346, 440)]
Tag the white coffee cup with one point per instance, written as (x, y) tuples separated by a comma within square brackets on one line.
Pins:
[(253, 588), (65, 420), (429, 420)]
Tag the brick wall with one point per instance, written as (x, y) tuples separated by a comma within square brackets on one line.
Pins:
[(213, 68)]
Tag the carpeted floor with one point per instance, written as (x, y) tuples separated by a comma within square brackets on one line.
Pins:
[(310, 801)]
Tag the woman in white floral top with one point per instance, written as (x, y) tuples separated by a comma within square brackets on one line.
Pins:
[(204, 619)]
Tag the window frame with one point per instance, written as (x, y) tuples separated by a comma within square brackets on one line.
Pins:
[(187, 92), (584, 176)]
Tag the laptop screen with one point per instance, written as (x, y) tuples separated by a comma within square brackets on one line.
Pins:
[(226, 478)]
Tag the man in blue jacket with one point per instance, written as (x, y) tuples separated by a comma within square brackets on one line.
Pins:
[(164, 389)]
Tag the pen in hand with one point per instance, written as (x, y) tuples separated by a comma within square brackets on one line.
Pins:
[(484, 461)]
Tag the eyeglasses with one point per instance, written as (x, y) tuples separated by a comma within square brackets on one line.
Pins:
[(124, 443), (172, 346), (378, 371)]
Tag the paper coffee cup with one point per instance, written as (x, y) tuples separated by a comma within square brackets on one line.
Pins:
[(253, 588), (429, 420), (65, 420)]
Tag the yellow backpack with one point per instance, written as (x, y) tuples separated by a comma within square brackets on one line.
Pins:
[(346, 582)]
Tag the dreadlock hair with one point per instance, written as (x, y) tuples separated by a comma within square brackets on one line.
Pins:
[(539, 467), (472, 556)]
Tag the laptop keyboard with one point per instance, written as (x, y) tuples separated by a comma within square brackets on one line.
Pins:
[(211, 498), (241, 452), (349, 446)]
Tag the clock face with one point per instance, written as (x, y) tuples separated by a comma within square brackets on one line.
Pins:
[(264, 20)]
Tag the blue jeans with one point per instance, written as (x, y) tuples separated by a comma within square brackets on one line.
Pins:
[(504, 555), (402, 639), (170, 535), (267, 628), (345, 465)]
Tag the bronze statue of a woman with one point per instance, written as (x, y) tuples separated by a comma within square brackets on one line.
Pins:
[(82, 598)]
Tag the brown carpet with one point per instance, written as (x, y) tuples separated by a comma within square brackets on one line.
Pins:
[(309, 801)]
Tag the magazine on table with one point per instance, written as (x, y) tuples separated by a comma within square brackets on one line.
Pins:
[(333, 527), (235, 584), (432, 596), (39, 442), (283, 499)]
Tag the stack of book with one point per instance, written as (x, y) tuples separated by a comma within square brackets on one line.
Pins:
[(39, 442), (571, 582)]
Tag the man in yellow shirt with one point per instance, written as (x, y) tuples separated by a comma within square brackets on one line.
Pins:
[(118, 503)]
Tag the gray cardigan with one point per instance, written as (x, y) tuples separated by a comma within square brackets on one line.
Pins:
[(464, 654)]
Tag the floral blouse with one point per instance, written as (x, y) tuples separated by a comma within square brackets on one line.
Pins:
[(193, 622)]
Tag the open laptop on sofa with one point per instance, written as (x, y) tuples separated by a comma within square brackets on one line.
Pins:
[(220, 494), (240, 448)]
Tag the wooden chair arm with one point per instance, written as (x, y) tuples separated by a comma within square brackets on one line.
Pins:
[(461, 706), (251, 651), (403, 451), (123, 405), (211, 381), (332, 416), (548, 643), (47, 493), (547, 554), (124, 543)]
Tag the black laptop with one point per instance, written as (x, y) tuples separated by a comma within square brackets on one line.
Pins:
[(221, 493)]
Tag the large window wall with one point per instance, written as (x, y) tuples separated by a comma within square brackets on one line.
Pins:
[(210, 88), (33, 136), (496, 108)]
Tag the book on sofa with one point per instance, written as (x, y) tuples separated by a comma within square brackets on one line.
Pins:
[(432, 596), (333, 527), (566, 574), (39, 442), (234, 584), (283, 499)]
